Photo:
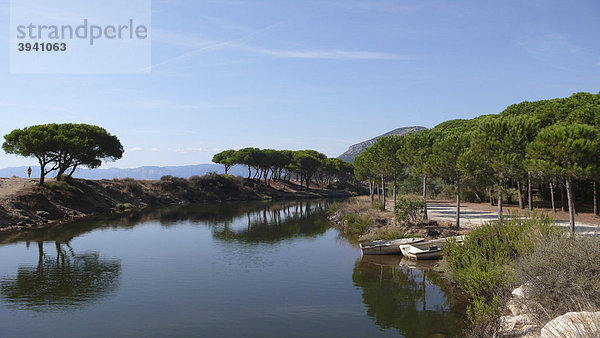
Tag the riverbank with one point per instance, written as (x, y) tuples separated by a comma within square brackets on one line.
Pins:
[(358, 218), (25, 205), (553, 275)]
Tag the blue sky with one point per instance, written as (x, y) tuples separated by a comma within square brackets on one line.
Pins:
[(313, 74)]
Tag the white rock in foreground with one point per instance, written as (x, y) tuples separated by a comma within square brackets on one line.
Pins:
[(573, 324)]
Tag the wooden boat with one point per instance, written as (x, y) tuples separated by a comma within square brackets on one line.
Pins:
[(382, 247), (427, 249)]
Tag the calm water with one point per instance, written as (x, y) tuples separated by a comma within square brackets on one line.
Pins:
[(245, 269)]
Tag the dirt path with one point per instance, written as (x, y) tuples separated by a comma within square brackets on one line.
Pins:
[(474, 214), (12, 186)]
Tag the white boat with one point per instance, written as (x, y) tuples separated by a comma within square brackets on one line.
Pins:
[(427, 249), (382, 247), (421, 253)]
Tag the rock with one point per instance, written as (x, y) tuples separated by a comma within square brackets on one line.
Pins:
[(518, 326), (573, 324), (42, 214), (22, 224), (516, 307), (522, 291)]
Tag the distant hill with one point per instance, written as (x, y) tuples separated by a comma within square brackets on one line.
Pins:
[(141, 173), (358, 148)]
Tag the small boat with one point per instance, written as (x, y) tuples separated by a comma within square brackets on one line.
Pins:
[(422, 252), (427, 249), (382, 247)]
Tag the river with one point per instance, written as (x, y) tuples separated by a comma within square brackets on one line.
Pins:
[(255, 269)]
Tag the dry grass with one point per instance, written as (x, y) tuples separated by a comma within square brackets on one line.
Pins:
[(357, 216), (562, 275)]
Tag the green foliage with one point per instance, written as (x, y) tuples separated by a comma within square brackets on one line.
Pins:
[(565, 149), (481, 266), (64, 146), (448, 149), (356, 224), (124, 206), (226, 158), (409, 209), (282, 164)]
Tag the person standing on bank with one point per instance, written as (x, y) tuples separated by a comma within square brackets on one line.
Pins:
[(29, 172)]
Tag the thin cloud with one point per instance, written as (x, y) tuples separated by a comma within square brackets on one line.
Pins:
[(135, 149), (213, 46), (203, 45), (331, 54)]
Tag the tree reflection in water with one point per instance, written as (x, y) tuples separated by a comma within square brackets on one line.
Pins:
[(277, 222), (415, 302), (61, 281)]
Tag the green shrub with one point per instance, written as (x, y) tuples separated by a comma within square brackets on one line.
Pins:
[(409, 209), (481, 266), (124, 206), (356, 225)]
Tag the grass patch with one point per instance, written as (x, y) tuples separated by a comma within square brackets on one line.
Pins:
[(357, 215), (483, 267), (63, 185), (124, 206), (355, 224), (388, 233)]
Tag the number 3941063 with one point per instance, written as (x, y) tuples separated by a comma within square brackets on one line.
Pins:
[(42, 47)]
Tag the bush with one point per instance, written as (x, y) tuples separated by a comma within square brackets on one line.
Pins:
[(357, 215), (132, 185), (409, 209), (481, 266), (124, 206), (562, 274), (388, 233), (356, 225)]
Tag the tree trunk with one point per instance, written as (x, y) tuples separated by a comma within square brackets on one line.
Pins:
[(394, 193), (70, 175), (383, 190), (521, 204), (458, 202), (42, 172), (529, 191), (372, 190), (492, 196), (60, 173), (249, 172), (500, 193), (425, 196), (552, 196), (563, 205), (571, 204), (595, 198)]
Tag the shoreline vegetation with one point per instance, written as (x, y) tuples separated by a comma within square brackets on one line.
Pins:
[(521, 275), (26, 205)]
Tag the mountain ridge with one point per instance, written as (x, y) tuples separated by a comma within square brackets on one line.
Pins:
[(139, 173), (355, 149)]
